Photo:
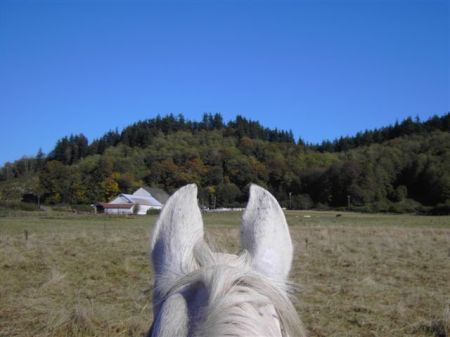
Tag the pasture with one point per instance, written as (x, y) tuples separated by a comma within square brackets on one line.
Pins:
[(357, 274)]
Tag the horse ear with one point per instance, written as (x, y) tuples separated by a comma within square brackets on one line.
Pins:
[(265, 235), (178, 229)]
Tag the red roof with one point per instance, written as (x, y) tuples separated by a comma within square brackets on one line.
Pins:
[(121, 206)]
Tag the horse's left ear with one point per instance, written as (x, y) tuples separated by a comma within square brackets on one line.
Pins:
[(178, 229), (265, 235)]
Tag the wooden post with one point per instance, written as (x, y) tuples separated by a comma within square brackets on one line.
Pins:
[(26, 235)]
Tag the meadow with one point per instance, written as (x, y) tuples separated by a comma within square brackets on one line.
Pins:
[(64, 274)]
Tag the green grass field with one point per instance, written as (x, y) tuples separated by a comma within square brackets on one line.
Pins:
[(358, 274)]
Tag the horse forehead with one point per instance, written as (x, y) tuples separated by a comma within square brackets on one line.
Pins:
[(231, 260), (183, 312)]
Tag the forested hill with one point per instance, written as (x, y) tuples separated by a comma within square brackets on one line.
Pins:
[(144, 133), (403, 167), (368, 137)]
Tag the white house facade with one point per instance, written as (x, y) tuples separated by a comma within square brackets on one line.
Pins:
[(142, 200), (143, 203)]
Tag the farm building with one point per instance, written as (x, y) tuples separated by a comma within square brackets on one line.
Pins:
[(139, 202), (157, 193), (116, 208)]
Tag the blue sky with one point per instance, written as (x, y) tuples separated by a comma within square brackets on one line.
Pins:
[(320, 68)]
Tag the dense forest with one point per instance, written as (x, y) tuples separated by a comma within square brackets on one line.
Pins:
[(404, 167)]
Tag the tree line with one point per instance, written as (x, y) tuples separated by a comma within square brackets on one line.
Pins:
[(400, 168), (368, 137), (143, 134)]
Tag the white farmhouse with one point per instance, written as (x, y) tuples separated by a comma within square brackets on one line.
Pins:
[(143, 204), (139, 202)]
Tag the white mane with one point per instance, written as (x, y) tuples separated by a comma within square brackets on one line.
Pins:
[(199, 293)]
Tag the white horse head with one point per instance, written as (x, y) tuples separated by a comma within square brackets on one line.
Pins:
[(200, 293)]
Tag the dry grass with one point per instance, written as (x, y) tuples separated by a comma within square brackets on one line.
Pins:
[(360, 275)]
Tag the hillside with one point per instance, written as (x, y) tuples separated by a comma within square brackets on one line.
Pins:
[(404, 167)]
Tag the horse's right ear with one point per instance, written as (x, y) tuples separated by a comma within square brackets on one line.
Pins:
[(265, 235), (178, 229)]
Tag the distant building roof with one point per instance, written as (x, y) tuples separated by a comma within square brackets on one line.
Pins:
[(121, 206), (141, 200), (157, 193)]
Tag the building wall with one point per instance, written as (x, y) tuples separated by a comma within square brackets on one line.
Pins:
[(119, 211), (142, 209)]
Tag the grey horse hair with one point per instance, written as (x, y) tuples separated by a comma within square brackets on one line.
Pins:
[(201, 293), (238, 300)]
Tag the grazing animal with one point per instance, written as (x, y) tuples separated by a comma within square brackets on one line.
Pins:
[(201, 293)]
